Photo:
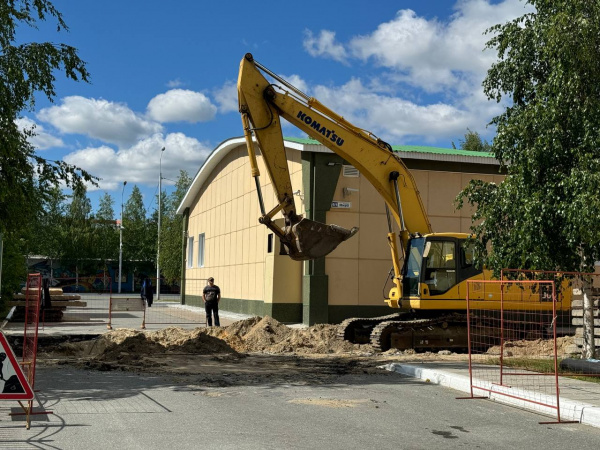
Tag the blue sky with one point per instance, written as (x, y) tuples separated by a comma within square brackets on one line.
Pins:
[(163, 75)]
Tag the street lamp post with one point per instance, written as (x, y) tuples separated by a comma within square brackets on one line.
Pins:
[(159, 214), (121, 238)]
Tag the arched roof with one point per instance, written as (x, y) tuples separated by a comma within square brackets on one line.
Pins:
[(310, 145)]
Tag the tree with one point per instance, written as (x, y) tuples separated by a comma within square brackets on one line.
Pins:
[(78, 232), (47, 237), (139, 239), (473, 142), (26, 70), (171, 230), (106, 235), (545, 213)]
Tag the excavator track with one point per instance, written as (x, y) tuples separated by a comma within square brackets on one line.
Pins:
[(435, 333), (358, 330)]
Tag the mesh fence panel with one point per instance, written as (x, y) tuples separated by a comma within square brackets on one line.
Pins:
[(513, 350), (33, 295), (169, 308)]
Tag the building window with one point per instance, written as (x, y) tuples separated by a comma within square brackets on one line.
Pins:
[(270, 243), (190, 258), (201, 250)]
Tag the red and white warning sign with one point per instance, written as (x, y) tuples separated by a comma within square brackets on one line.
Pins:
[(13, 384)]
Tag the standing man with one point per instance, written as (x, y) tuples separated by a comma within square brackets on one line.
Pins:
[(211, 296), (147, 293)]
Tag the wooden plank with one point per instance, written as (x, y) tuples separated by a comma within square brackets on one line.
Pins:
[(55, 304), (127, 304), (34, 291), (53, 297)]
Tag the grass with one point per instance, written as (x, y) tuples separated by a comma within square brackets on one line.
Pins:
[(545, 365)]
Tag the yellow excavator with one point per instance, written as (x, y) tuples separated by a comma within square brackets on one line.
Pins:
[(430, 287)]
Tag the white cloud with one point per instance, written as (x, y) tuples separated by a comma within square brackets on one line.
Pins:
[(175, 83), (180, 105), (324, 45), (297, 81), (139, 164), (227, 97), (431, 54), (419, 57), (100, 119), (41, 140), (391, 118)]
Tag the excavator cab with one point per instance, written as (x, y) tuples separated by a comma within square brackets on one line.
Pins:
[(438, 261)]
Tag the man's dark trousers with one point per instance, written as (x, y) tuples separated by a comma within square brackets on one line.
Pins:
[(212, 307)]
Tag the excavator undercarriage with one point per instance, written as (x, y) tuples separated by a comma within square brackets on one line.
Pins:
[(408, 330)]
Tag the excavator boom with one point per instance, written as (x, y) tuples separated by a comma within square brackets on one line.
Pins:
[(262, 104)]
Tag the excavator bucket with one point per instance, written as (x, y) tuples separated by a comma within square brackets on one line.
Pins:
[(308, 239)]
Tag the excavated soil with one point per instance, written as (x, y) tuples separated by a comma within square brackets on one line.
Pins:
[(537, 348), (252, 351)]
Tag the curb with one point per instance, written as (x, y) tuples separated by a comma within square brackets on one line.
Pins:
[(570, 410)]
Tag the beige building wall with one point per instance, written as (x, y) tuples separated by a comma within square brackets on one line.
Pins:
[(358, 268), (225, 208), (235, 253)]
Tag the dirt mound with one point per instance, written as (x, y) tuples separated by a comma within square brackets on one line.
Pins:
[(254, 335), (536, 347), (267, 335)]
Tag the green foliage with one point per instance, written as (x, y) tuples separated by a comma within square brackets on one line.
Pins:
[(48, 236), (14, 266), (545, 214), (25, 70), (106, 233), (473, 142), (139, 234), (171, 235), (78, 233), (27, 180)]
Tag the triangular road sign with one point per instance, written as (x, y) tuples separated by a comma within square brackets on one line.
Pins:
[(13, 384)]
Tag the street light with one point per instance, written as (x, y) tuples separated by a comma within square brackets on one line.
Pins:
[(159, 214), (121, 238)]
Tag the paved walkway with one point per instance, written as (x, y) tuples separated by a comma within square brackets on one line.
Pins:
[(578, 401)]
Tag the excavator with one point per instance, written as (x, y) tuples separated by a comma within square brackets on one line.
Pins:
[(429, 270)]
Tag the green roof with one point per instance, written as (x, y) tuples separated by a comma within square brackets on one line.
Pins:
[(439, 150), (307, 141), (409, 148)]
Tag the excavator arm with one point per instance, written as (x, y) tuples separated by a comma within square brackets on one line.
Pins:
[(262, 104)]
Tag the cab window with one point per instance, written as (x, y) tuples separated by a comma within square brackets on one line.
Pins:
[(468, 255), (440, 272)]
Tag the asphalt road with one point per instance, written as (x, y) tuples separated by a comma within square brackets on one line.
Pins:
[(121, 410)]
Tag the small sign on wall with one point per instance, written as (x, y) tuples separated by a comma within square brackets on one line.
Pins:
[(344, 205)]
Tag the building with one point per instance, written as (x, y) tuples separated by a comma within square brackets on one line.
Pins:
[(225, 240)]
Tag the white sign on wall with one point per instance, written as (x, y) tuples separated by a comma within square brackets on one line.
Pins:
[(344, 205)]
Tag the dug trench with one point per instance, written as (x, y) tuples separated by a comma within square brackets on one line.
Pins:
[(248, 352)]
